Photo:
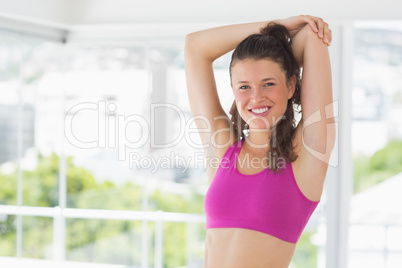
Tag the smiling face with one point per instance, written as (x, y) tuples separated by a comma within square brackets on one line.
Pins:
[(261, 91)]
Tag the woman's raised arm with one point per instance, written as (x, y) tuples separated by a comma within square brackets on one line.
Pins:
[(316, 130)]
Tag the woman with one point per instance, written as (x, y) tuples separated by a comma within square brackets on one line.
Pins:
[(268, 182)]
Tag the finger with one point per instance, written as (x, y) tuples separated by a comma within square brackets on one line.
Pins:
[(311, 21), (330, 36), (320, 25), (327, 34)]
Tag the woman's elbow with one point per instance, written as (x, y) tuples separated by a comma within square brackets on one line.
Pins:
[(189, 42)]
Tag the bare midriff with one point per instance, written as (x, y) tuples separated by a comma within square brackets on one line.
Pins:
[(243, 248)]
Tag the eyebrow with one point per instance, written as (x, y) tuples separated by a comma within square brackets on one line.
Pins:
[(263, 80)]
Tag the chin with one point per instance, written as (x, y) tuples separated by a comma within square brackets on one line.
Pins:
[(259, 127), (260, 124)]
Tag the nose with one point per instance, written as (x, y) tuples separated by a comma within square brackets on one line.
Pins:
[(257, 95)]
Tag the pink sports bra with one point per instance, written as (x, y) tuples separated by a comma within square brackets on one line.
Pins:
[(266, 202)]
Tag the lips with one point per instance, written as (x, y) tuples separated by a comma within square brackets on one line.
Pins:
[(260, 111)]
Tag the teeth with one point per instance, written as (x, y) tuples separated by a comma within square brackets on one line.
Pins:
[(260, 110)]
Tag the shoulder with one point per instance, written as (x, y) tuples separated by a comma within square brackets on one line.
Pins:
[(215, 153)]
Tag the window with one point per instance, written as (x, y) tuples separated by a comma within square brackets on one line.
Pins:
[(78, 170), (376, 222)]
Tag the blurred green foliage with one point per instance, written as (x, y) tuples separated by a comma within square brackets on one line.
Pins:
[(305, 252), (103, 241), (383, 164)]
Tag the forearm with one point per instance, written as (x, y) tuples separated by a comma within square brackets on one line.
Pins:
[(302, 38), (212, 43), (299, 43), (215, 42)]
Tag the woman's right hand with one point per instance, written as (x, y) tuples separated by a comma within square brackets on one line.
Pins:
[(318, 25)]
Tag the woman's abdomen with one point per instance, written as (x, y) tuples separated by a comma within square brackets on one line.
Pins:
[(239, 248)]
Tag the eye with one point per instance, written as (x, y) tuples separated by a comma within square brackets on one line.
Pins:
[(244, 87), (268, 84)]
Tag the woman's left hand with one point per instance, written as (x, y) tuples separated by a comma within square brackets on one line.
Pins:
[(318, 25)]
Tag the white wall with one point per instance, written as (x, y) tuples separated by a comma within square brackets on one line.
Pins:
[(78, 12)]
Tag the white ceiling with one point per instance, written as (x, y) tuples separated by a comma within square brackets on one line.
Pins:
[(78, 12), (76, 17)]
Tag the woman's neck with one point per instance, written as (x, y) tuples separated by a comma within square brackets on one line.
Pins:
[(258, 141)]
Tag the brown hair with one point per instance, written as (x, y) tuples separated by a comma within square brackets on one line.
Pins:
[(272, 43)]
